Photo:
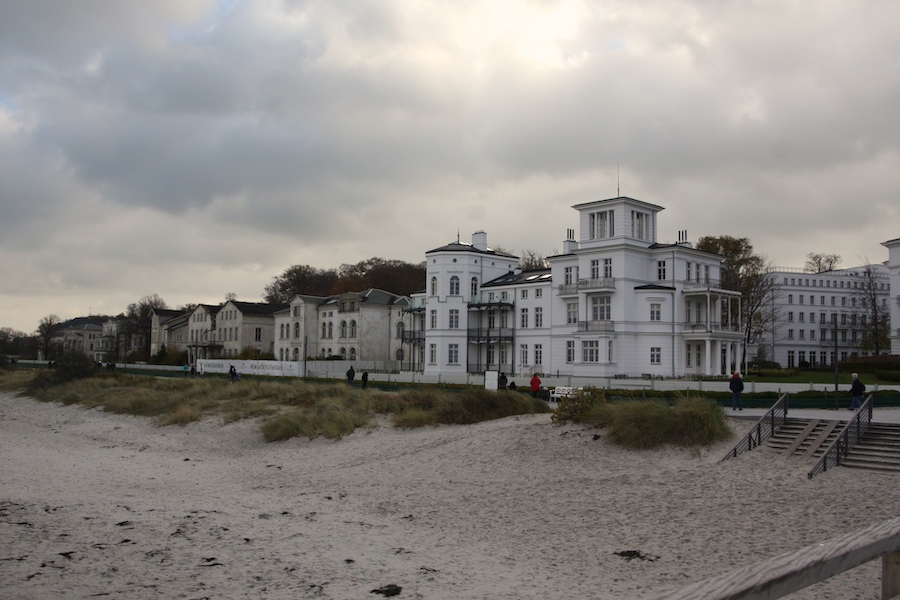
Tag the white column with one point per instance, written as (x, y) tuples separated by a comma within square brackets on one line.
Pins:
[(709, 351)]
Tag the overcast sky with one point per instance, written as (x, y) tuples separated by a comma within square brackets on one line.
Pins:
[(192, 148)]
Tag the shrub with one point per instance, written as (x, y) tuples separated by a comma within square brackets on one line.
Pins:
[(74, 365), (580, 407)]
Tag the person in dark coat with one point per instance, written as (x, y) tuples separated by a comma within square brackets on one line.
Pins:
[(857, 389), (737, 386), (365, 379), (350, 375), (501, 382)]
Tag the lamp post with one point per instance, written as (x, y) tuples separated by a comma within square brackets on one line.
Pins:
[(835, 337)]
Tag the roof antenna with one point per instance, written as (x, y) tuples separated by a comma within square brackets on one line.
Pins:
[(457, 235)]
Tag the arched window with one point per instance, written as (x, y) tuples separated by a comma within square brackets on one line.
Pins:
[(473, 288), (454, 286), (296, 353), (401, 327), (281, 352), (352, 353), (343, 353), (282, 331), (434, 286), (343, 329), (330, 330), (296, 330), (399, 354), (323, 333), (353, 329), (322, 353)]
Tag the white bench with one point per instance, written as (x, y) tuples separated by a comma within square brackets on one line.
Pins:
[(562, 391)]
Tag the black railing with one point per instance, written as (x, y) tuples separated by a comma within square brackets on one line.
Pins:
[(846, 439), (490, 334), (763, 430)]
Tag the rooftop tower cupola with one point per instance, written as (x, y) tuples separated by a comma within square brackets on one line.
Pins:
[(617, 220)]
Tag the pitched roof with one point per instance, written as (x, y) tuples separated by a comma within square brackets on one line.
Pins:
[(458, 246)]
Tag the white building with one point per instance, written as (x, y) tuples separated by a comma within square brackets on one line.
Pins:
[(821, 317), (364, 326), (615, 302)]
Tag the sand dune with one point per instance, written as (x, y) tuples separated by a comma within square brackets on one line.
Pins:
[(100, 505)]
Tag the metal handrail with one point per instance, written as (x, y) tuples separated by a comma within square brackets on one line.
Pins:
[(763, 430), (846, 439)]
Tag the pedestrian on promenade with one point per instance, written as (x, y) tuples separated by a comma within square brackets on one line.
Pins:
[(737, 386), (857, 389)]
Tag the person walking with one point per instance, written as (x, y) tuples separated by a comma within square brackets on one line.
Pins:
[(501, 382), (857, 389), (737, 386), (535, 386), (350, 375), (365, 379)]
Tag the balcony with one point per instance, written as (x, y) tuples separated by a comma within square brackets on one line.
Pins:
[(489, 301), (413, 337), (415, 305), (710, 327), (596, 326), (607, 284), (490, 335)]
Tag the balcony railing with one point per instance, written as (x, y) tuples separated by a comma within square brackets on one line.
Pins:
[(596, 326), (599, 283), (491, 299), (490, 334), (705, 284), (415, 305), (413, 336), (711, 326)]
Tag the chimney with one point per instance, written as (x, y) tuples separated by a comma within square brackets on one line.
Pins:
[(570, 245), (479, 240)]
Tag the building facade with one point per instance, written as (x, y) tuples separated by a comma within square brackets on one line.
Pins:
[(614, 302), (818, 318), (893, 266)]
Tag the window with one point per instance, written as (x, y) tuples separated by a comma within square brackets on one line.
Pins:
[(492, 318), (454, 286), (343, 330), (607, 267), (790, 334), (570, 351), (655, 311), (524, 294), (595, 268), (503, 353), (790, 298), (538, 354), (473, 286), (523, 321), (660, 270), (296, 330), (454, 318), (523, 354), (281, 334), (453, 354), (353, 329), (257, 335), (590, 351), (571, 313), (802, 334), (434, 286), (801, 298), (432, 353), (491, 352), (802, 317), (568, 275), (601, 224), (330, 330), (539, 293), (433, 318), (655, 355), (600, 308), (538, 316), (609, 351), (639, 225), (790, 316), (687, 356)]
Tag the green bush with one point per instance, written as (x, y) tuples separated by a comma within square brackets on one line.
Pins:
[(74, 365), (581, 407)]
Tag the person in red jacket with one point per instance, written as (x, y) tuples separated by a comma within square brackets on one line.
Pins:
[(535, 386)]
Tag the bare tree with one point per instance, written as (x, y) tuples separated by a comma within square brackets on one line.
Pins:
[(47, 329), (871, 314), (531, 260), (758, 313), (138, 323), (821, 263)]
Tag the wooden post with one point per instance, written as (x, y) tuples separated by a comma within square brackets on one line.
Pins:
[(890, 575)]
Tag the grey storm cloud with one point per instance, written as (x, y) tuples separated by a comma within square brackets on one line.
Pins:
[(242, 137)]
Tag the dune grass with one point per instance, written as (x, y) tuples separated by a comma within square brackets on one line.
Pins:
[(286, 408), (643, 424)]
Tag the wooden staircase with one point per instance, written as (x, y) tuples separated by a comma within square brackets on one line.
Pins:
[(805, 440)]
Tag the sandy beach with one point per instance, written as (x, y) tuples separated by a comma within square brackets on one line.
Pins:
[(101, 505)]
